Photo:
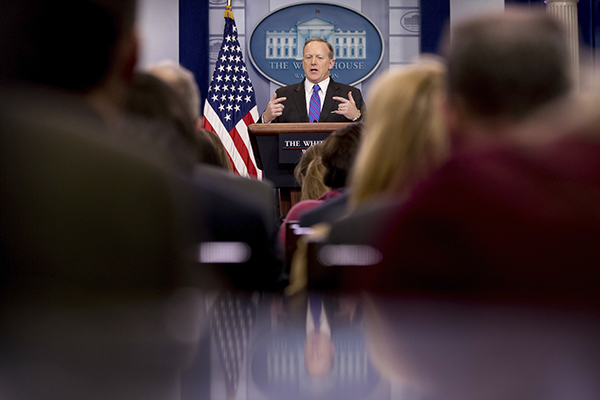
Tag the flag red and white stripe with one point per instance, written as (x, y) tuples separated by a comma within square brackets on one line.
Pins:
[(230, 105)]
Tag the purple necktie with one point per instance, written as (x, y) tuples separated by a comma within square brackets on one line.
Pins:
[(315, 105)]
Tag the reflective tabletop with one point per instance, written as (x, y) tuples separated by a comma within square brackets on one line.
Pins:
[(197, 345)]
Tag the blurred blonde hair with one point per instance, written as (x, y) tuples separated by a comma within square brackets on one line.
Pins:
[(405, 137), (310, 154), (312, 183)]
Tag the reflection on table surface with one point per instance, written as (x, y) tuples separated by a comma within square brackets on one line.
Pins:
[(223, 345), (305, 347)]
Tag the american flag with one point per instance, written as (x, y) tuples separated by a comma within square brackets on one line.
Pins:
[(230, 104)]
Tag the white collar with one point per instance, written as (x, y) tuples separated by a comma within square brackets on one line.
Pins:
[(324, 84)]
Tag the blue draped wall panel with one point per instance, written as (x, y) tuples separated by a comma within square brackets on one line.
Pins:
[(435, 14), (589, 26), (193, 40)]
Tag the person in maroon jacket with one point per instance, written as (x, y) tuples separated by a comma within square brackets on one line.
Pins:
[(337, 157), (514, 212)]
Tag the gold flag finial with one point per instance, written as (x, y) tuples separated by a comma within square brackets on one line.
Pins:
[(228, 13)]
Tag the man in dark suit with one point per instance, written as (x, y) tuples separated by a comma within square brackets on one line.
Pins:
[(333, 101)]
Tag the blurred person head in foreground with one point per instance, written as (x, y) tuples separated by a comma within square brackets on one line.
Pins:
[(91, 53), (90, 241), (182, 81), (159, 119), (493, 260), (502, 68)]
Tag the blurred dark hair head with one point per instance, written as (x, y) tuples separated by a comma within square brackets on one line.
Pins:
[(211, 150), (505, 65), (338, 152), (181, 80), (67, 44), (166, 121)]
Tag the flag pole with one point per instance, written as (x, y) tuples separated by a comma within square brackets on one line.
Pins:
[(228, 13)]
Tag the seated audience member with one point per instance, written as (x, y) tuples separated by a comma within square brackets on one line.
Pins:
[(157, 118), (212, 157), (502, 68), (311, 187), (515, 218), (309, 174), (220, 212), (405, 141), (90, 245), (182, 81), (316, 172), (508, 231), (337, 156)]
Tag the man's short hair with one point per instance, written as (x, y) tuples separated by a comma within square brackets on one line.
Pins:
[(165, 121), (329, 46), (338, 153), (67, 44), (182, 81), (505, 65)]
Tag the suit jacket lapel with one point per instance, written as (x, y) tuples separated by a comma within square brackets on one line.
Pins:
[(299, 98), (332, 90)]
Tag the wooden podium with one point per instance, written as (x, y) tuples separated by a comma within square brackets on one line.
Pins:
[(277, 161)]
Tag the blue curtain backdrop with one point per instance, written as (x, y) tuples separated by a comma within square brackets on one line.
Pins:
[(589, 26), (193, 41), (435, 15)]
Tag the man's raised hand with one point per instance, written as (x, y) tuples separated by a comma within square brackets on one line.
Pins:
[(347, 107), (274, 108)]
